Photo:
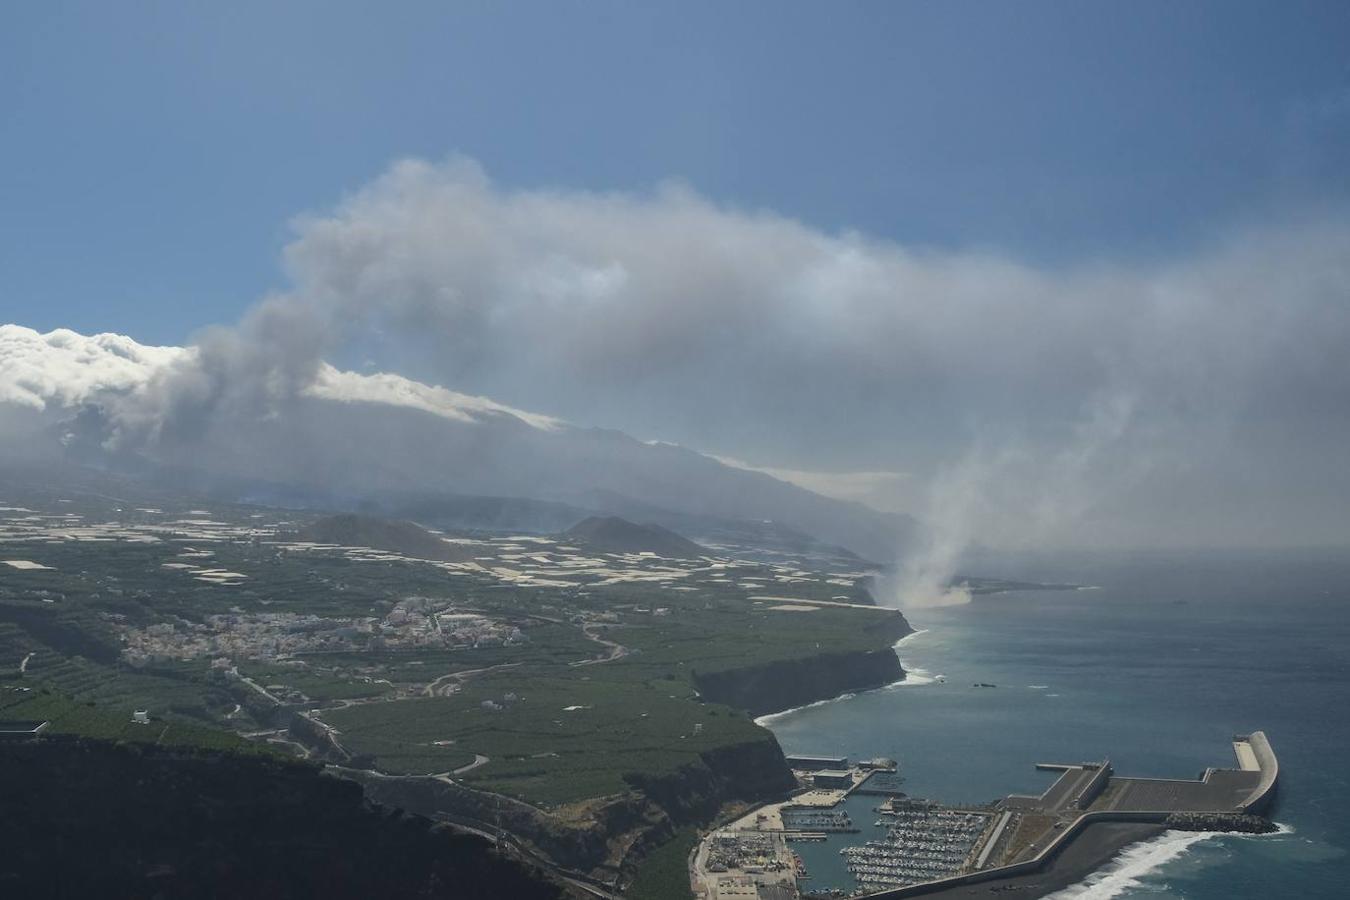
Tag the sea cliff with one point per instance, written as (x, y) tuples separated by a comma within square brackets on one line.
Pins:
[(783, 684), (598, 838)]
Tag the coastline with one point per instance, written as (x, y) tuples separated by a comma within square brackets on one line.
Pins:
[(1107, 860), (1124, 871), (1085, 856), (914, 676)]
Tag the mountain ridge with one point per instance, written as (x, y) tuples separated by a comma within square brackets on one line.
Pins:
[(380, 436)]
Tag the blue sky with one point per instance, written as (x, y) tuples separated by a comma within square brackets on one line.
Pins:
[(152, 155)]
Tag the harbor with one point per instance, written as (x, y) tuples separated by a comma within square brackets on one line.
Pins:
[(903, 846)]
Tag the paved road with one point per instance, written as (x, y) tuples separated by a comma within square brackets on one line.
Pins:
[(1064, 790), (257, 687), (616, 651), (442, 686), (478, 760), (485, 830)]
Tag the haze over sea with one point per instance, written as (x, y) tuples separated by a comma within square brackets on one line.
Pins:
[(1157, 667)]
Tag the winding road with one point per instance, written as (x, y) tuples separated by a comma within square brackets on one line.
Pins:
[(616, 651)]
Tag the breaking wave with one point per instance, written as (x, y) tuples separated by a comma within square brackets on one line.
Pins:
[(1129, 869), (769, 718)]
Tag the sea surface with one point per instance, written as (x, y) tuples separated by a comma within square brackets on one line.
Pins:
[(1156, 667)]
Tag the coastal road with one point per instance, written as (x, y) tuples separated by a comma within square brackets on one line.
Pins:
[(503, 838), (582, 882)]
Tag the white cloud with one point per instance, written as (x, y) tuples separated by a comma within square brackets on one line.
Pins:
[(64, 368)]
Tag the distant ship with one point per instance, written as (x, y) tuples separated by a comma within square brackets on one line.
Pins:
[(984, 684)]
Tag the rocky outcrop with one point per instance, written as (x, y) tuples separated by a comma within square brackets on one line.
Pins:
[(1220, 821)]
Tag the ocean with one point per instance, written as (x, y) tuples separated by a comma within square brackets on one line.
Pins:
[(1156, 666)]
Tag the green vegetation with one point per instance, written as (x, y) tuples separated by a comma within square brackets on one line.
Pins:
[(664, 874), (68, 717), (538, 749), (624, 651)]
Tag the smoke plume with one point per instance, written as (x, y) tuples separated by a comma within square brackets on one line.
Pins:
[(1198, 399)]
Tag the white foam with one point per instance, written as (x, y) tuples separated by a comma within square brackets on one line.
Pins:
[(912, 634), (1130, 867), (765, 720), (1127, 870), (914, 677)]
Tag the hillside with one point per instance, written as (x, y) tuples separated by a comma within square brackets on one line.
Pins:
[(347, 438), (403, 538), (580, 699), (610, 534), (87, 818)]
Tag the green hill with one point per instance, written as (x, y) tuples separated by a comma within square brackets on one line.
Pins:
[(610, 534), (403, 538)]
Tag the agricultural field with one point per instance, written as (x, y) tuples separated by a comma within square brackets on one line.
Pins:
[(522, 664), (66, 716)]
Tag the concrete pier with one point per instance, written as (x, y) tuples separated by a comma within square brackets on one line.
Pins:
[(1090, 795), (1032, 844)]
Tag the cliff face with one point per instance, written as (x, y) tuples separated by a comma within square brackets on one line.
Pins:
[(776, 686), (578, 843), (784, 684), (600, 839), (754, 771), (598, 842)]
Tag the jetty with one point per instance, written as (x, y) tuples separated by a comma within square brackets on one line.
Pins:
[(1032, 845), (1026, 835)]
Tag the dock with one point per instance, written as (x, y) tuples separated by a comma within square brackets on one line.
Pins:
[(1030, 832), (929, 848)]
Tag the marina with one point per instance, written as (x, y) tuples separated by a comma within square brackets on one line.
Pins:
[(928, 847), (923, 842)]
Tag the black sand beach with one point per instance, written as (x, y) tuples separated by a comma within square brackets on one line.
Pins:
[(1088, 852)]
